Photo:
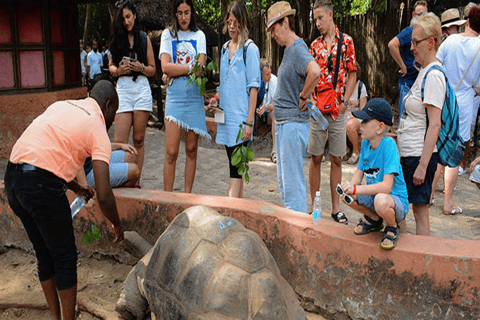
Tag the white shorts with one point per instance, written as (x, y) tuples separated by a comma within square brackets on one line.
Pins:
[(475, 175), (134, 95)]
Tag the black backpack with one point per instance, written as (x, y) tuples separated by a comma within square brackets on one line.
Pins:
[(245, 46)]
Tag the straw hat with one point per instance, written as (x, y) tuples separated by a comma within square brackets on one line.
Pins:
[(277, 11), (451, 17)]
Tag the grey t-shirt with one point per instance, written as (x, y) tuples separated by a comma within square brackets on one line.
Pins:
[(291, 79)]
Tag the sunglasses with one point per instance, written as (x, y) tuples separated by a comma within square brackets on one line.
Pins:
[(330, 62), (348, 199)]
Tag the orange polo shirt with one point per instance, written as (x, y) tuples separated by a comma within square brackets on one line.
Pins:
[(60, 139)]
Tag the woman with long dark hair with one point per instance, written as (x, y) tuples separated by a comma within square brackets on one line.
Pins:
[(132, 61), (184, 110), (239, 83)]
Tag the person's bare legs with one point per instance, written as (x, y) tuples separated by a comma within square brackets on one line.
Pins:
[(437, 176), (123, 123), (463, 162), (422, 219), (140, 119), (68, 300), (353, 128), (314, 175), (335, 178), (385, 208), (451, 177), (191, 148), (50, 291), (235, 188), (174, 134), (272, 122)]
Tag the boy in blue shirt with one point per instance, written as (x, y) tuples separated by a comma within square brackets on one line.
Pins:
[(384, 196)]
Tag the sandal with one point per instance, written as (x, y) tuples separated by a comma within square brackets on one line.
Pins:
[(340, 216), (431, 202), (455, 210), (353, 158), (393, 238), (273, 156), (371, 226), (137, 185)]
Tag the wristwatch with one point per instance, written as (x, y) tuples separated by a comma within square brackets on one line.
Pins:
[(345, 102)]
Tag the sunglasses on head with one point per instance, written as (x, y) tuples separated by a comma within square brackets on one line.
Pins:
[(348, 199)]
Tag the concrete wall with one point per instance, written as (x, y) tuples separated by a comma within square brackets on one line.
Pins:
[(18, 111), (328, 266)]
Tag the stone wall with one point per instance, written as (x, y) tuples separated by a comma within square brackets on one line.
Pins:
[(18, 111), (328, 266)]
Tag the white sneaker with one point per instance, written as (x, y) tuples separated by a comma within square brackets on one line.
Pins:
[(461, 171)]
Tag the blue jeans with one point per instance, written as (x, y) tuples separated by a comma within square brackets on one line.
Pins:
[(291, 140), (38, 198), (403, 89)]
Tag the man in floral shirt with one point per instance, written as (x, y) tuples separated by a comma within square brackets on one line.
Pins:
[(325, 51)]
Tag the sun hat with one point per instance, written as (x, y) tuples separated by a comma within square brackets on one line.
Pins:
[(451, 17), (376, 108), (277, 11), (469, 6)]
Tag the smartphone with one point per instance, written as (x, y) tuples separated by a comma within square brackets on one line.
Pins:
[(126, 60)]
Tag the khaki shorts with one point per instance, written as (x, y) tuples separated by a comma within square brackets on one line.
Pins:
[(337, 134)]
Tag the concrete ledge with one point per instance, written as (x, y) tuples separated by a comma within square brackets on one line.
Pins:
[(19, 110), (328, 266)]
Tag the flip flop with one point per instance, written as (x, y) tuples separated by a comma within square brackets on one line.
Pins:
[(455, 210), (340, 216)]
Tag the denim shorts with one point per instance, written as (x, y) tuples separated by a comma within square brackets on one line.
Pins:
[(368, 202), (38, 198), (418, 194), (118, 170), (475, 175)]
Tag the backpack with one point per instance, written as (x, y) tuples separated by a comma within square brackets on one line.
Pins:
[(450, 144), (245, 46)]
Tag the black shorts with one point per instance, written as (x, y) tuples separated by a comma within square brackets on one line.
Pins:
[(421, 193), (234, 170), (38, 198)]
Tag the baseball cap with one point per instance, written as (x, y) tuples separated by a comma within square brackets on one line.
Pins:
[(376, 108)]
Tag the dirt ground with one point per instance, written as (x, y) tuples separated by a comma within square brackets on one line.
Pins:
[(99, 278)]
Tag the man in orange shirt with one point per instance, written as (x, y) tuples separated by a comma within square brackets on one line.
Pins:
[(43, 164)]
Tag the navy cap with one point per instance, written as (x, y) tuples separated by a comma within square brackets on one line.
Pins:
[(376, 108)]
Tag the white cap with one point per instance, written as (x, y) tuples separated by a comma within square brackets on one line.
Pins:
[(317, 194)]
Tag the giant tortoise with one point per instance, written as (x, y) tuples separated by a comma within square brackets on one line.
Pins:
[(208, 266)]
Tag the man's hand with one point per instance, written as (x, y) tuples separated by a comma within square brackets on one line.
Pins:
[(87, 191), (347, 187), (342, 107), (128, 148), (419, 175), (118, 232), (261, 110), (403, 70), (474, 163)]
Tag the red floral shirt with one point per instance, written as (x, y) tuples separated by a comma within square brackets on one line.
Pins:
[(319, 51)]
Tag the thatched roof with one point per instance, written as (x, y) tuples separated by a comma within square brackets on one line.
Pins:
[(155, 15)]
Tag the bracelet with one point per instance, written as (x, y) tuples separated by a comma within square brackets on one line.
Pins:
[(189, 68), (143, 68), (354, 189), (302, 98), (247, 124)]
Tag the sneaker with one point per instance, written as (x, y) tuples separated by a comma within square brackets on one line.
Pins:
[(461, 171)]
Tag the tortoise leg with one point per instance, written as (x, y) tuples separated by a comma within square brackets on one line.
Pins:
[(131, 305)]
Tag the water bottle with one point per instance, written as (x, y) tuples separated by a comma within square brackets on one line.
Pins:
[(317, 209), (319, 117), (77, 204)]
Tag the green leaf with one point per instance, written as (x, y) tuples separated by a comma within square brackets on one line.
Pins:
[(98, 276), (241, 170), (244, 154), (203, 88), (197, 56), (250, 154), (239, 135), (212, 66), (115, 292), (236, 157), (247, 177), (91, 236), (199, 82)]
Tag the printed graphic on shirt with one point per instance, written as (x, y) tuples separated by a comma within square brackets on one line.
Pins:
[(371, 174), (185, 51)]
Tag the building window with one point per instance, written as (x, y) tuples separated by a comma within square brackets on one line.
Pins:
[(39, 48)]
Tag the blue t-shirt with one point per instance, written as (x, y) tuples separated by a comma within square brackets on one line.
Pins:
[(385, 159), (405, 39)]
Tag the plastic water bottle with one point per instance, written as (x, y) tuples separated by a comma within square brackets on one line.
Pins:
[(319, 117), (317, 209), (77, 204)]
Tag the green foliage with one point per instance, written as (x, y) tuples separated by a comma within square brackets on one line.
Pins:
[(198, 74), (100, 25), (92, 235), (241, 156), (115, 292), (209, 11)]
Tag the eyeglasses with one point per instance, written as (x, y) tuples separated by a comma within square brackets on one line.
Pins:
[(348, 199), (234, 23), (330, 62), (415, 42)]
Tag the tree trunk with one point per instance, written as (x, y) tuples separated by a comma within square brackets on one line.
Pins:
[(88, 20)]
